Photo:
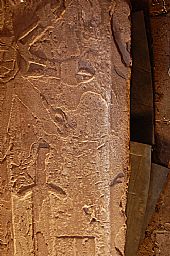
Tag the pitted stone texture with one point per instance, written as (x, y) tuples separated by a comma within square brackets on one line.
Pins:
[(64, 133), (161, 33)]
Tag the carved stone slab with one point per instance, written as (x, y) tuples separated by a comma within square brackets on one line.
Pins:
[(64, 150), (137, 195)]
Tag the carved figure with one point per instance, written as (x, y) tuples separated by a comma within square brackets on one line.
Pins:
[(56, 135)]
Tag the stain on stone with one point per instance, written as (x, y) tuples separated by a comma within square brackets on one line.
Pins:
[(117, 179)]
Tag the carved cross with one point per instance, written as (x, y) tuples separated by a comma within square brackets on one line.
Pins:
[(40, 191)]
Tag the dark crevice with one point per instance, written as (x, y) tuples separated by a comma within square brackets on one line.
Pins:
[(142, 105)]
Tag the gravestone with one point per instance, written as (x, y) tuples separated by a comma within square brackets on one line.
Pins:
[(64, 82)]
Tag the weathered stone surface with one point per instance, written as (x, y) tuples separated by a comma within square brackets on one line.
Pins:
[(146, 184), (64, 83), (137, 195), (159, 7), (157, 239), (160, 27), (158, 179)]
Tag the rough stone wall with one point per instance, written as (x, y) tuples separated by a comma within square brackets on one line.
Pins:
[(64, 127), (160, 28), (157, 237)]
